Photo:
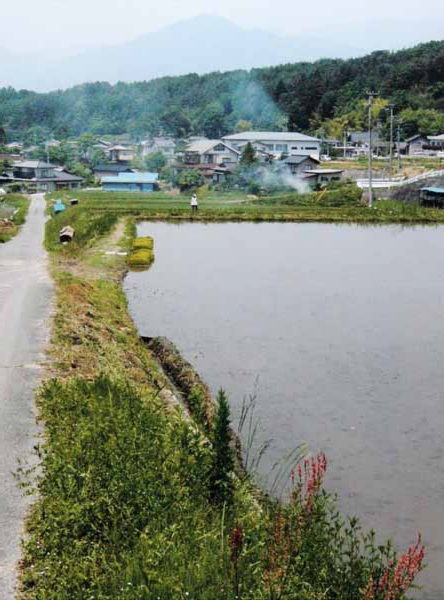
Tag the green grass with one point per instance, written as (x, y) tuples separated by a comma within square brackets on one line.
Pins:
[(22, 205), (336, 206), (88, 228)]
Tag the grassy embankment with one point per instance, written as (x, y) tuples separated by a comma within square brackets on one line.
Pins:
[(20, 203), (139, 499), (335, 206)]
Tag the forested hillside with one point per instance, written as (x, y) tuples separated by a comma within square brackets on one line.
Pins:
[(323, 96)]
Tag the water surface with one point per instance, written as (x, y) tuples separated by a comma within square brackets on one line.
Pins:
[(340, 331)]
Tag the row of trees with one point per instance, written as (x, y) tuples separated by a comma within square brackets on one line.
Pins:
[(297, 96)]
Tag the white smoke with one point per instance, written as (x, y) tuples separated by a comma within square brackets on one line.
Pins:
[(269, 179)]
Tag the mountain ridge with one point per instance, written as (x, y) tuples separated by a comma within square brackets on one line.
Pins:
[(202, 44)]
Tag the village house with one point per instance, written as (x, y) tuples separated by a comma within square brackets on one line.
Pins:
[(416, 144), (322, 176), (164, 144), (44, 177), (211, 152), (214, 159), (298, 164), (122, 154), (131, 182), (15, 147), (111, 169), (277, 143)]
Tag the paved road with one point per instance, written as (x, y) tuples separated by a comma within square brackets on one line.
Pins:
[(25, 304)]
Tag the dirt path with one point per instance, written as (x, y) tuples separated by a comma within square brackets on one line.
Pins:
[(25, 304)]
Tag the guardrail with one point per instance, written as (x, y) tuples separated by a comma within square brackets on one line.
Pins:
[(388, 183)]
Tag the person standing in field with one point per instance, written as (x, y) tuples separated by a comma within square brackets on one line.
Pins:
[(194, 203)]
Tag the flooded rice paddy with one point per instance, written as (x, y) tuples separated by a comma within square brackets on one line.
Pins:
[(339, 331)]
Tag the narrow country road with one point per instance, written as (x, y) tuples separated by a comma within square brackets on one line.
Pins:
[(25, 304)]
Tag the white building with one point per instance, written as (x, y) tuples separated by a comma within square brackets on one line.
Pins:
[(277, 142)]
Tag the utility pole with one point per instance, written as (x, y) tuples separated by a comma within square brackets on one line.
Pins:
[(399, 145), (345, 143), (390, 107), (371, 97)]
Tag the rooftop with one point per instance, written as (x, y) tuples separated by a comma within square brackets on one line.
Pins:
[(112, 168), (324, 171), (202, 146), (121, 148), (297, 159), (32, 164), (62, 175), (270, 136)]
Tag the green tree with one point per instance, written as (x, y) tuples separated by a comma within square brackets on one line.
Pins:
[(243, 125), (212, 120), (155, 161), (86, 144), (176, 121), (61, 132), (5, 164), (221, 487), (248, 155), (423, 121), (96, 157), (189, 179)]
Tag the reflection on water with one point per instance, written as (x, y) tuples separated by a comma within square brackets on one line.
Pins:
[(340, 330)]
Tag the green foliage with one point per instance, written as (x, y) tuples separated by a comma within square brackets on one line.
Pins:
[(123, 512), (5, 164), (21, 205), (243, 125), (422, 120), (212, 121), (189, 179), (223, 456), (196, 404), (248, 155), (155, 161), (300, 96), (116, 474)]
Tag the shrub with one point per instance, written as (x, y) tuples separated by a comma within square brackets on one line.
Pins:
[(223, 454)]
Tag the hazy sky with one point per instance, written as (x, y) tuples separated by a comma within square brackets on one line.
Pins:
[(69, 25)]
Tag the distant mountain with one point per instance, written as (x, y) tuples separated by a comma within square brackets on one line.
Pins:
[(199, 45)]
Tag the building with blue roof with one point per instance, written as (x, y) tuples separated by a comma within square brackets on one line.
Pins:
[(131, 182)]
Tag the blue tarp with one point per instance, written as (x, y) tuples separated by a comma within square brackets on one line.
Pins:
[(59, 206)]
